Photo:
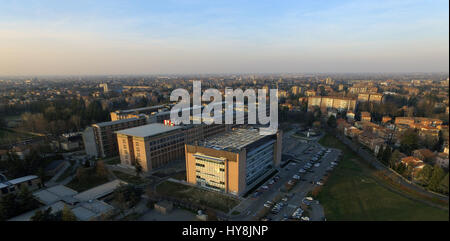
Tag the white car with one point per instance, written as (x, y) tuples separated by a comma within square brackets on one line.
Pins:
[(319, 183), (309, 198), (297, 177), (317, 165), (302, 170), (305, 218)]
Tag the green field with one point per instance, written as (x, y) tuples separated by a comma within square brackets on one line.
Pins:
[(196, 195), (132, 179), (90, 180), (9, 136), (353, 192)]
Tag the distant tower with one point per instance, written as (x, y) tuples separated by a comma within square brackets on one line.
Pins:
[(105, 87)]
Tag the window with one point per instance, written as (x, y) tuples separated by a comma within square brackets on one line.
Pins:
[(4, 190), (199, 165), (30, 183)]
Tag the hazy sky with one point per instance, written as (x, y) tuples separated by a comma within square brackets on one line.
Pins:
[(213, 36)]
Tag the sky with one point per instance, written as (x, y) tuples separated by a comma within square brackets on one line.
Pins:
[(222, 36)]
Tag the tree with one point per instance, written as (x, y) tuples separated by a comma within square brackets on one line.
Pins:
[(8, 206), (443, 186), (332, 121), (137, 168), (25, 200), (101, 170), (380, 153), (45, 215), (409, 141), (2, 123), (212, 216), (436, 178), (394, 158), (387, 153), (126, 196), (67, 214), (425, 174)]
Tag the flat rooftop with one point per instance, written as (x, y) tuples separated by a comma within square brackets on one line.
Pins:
[(148, 130), (233, 140), (109, 123), (156, 107)]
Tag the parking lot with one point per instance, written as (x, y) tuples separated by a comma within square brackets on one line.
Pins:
[(308, 162)]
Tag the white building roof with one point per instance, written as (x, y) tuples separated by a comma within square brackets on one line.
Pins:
[(148, 130), (99, 191)]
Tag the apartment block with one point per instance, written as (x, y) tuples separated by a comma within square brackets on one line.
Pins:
[(233, 162), (367, 97), (327, 102)]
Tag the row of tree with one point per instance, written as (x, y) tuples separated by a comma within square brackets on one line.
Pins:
[(433, 178), (14, 204), (48, 215)]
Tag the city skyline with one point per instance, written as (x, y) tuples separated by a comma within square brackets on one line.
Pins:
[(187, 37)]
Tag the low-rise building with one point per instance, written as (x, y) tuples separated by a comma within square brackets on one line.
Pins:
[(31, 182)]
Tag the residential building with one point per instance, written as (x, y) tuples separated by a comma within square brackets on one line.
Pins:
[(370, 97), (365, 116), (327, 102)]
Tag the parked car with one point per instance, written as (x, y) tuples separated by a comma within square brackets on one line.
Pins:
[(305, 218), (319, 183)]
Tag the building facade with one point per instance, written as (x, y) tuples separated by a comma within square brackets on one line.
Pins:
[(155, 145), (233, 162), (101, 141)]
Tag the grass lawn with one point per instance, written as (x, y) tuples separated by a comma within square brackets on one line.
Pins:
[(198, 196), (9, 136), (132, 179), (352, 193), (90, 180), (112, 161)]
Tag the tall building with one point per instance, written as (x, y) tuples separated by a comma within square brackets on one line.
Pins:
[(233, 162), (100, 140), (296, 90), (155, 145), (105, 87)]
